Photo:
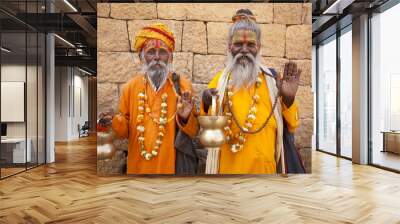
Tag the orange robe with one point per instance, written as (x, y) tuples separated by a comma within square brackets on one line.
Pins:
[(258, 153), (125, 126)]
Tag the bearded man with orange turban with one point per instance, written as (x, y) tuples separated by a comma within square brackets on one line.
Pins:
[(257, 101), (150, 108)]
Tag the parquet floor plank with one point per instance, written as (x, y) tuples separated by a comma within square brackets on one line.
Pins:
[(69, 191)]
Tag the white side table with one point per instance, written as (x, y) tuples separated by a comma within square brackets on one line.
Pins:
[(18, 145)]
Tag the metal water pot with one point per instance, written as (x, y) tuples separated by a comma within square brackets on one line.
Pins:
[(105, 146), (212, 134)]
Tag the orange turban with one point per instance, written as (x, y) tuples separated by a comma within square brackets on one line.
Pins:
[(156, 31)]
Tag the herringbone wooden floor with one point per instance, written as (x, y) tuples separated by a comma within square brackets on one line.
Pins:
[(69, 191)]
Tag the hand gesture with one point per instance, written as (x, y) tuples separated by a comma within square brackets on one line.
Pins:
[(185, 106), (289, 83)]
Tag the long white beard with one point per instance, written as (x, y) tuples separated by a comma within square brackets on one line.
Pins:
[(157, 75), (243, 75)]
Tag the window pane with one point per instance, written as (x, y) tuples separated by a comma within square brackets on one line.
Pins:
[(385, 88), (346, 94), (41, 98), (14, 153), (327, 96), (31, 97), (31, 88)]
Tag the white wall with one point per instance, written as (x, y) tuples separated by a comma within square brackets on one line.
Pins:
[(80, 84), (16, 73), (70, 83), (61, 103), (13, 72)]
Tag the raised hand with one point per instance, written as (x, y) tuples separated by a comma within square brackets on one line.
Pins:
[(185, 106), (289, 83)]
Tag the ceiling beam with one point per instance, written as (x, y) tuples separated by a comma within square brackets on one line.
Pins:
[(82, 61), (83, 23)]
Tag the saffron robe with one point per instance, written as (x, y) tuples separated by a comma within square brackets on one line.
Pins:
[(258, 153), (125, 125)]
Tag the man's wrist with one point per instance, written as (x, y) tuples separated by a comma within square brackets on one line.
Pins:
[(288, 101), (183, 120)]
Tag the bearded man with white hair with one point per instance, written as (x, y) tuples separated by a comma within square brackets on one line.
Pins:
[(150, 108), (257, 101)]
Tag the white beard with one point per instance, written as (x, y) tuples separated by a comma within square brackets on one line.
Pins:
[(243, 75), (157, 76)]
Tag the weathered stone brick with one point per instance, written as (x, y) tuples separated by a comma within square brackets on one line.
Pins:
[(303, 133), (133, 11), (217, 37), (273, 40), (217, 12), (197, 93), (194, 37), (103, 9), (306, 102), (206, 67), (262, 11), (307, 13), (112, 35), (117, 67), (176, 11), (183, 64), (107, 97), (298, 42), (288, 13)]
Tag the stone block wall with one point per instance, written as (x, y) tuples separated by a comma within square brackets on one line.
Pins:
[(201, 32)]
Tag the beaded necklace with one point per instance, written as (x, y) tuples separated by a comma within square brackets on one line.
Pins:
[(143, 107), (237, 141)]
